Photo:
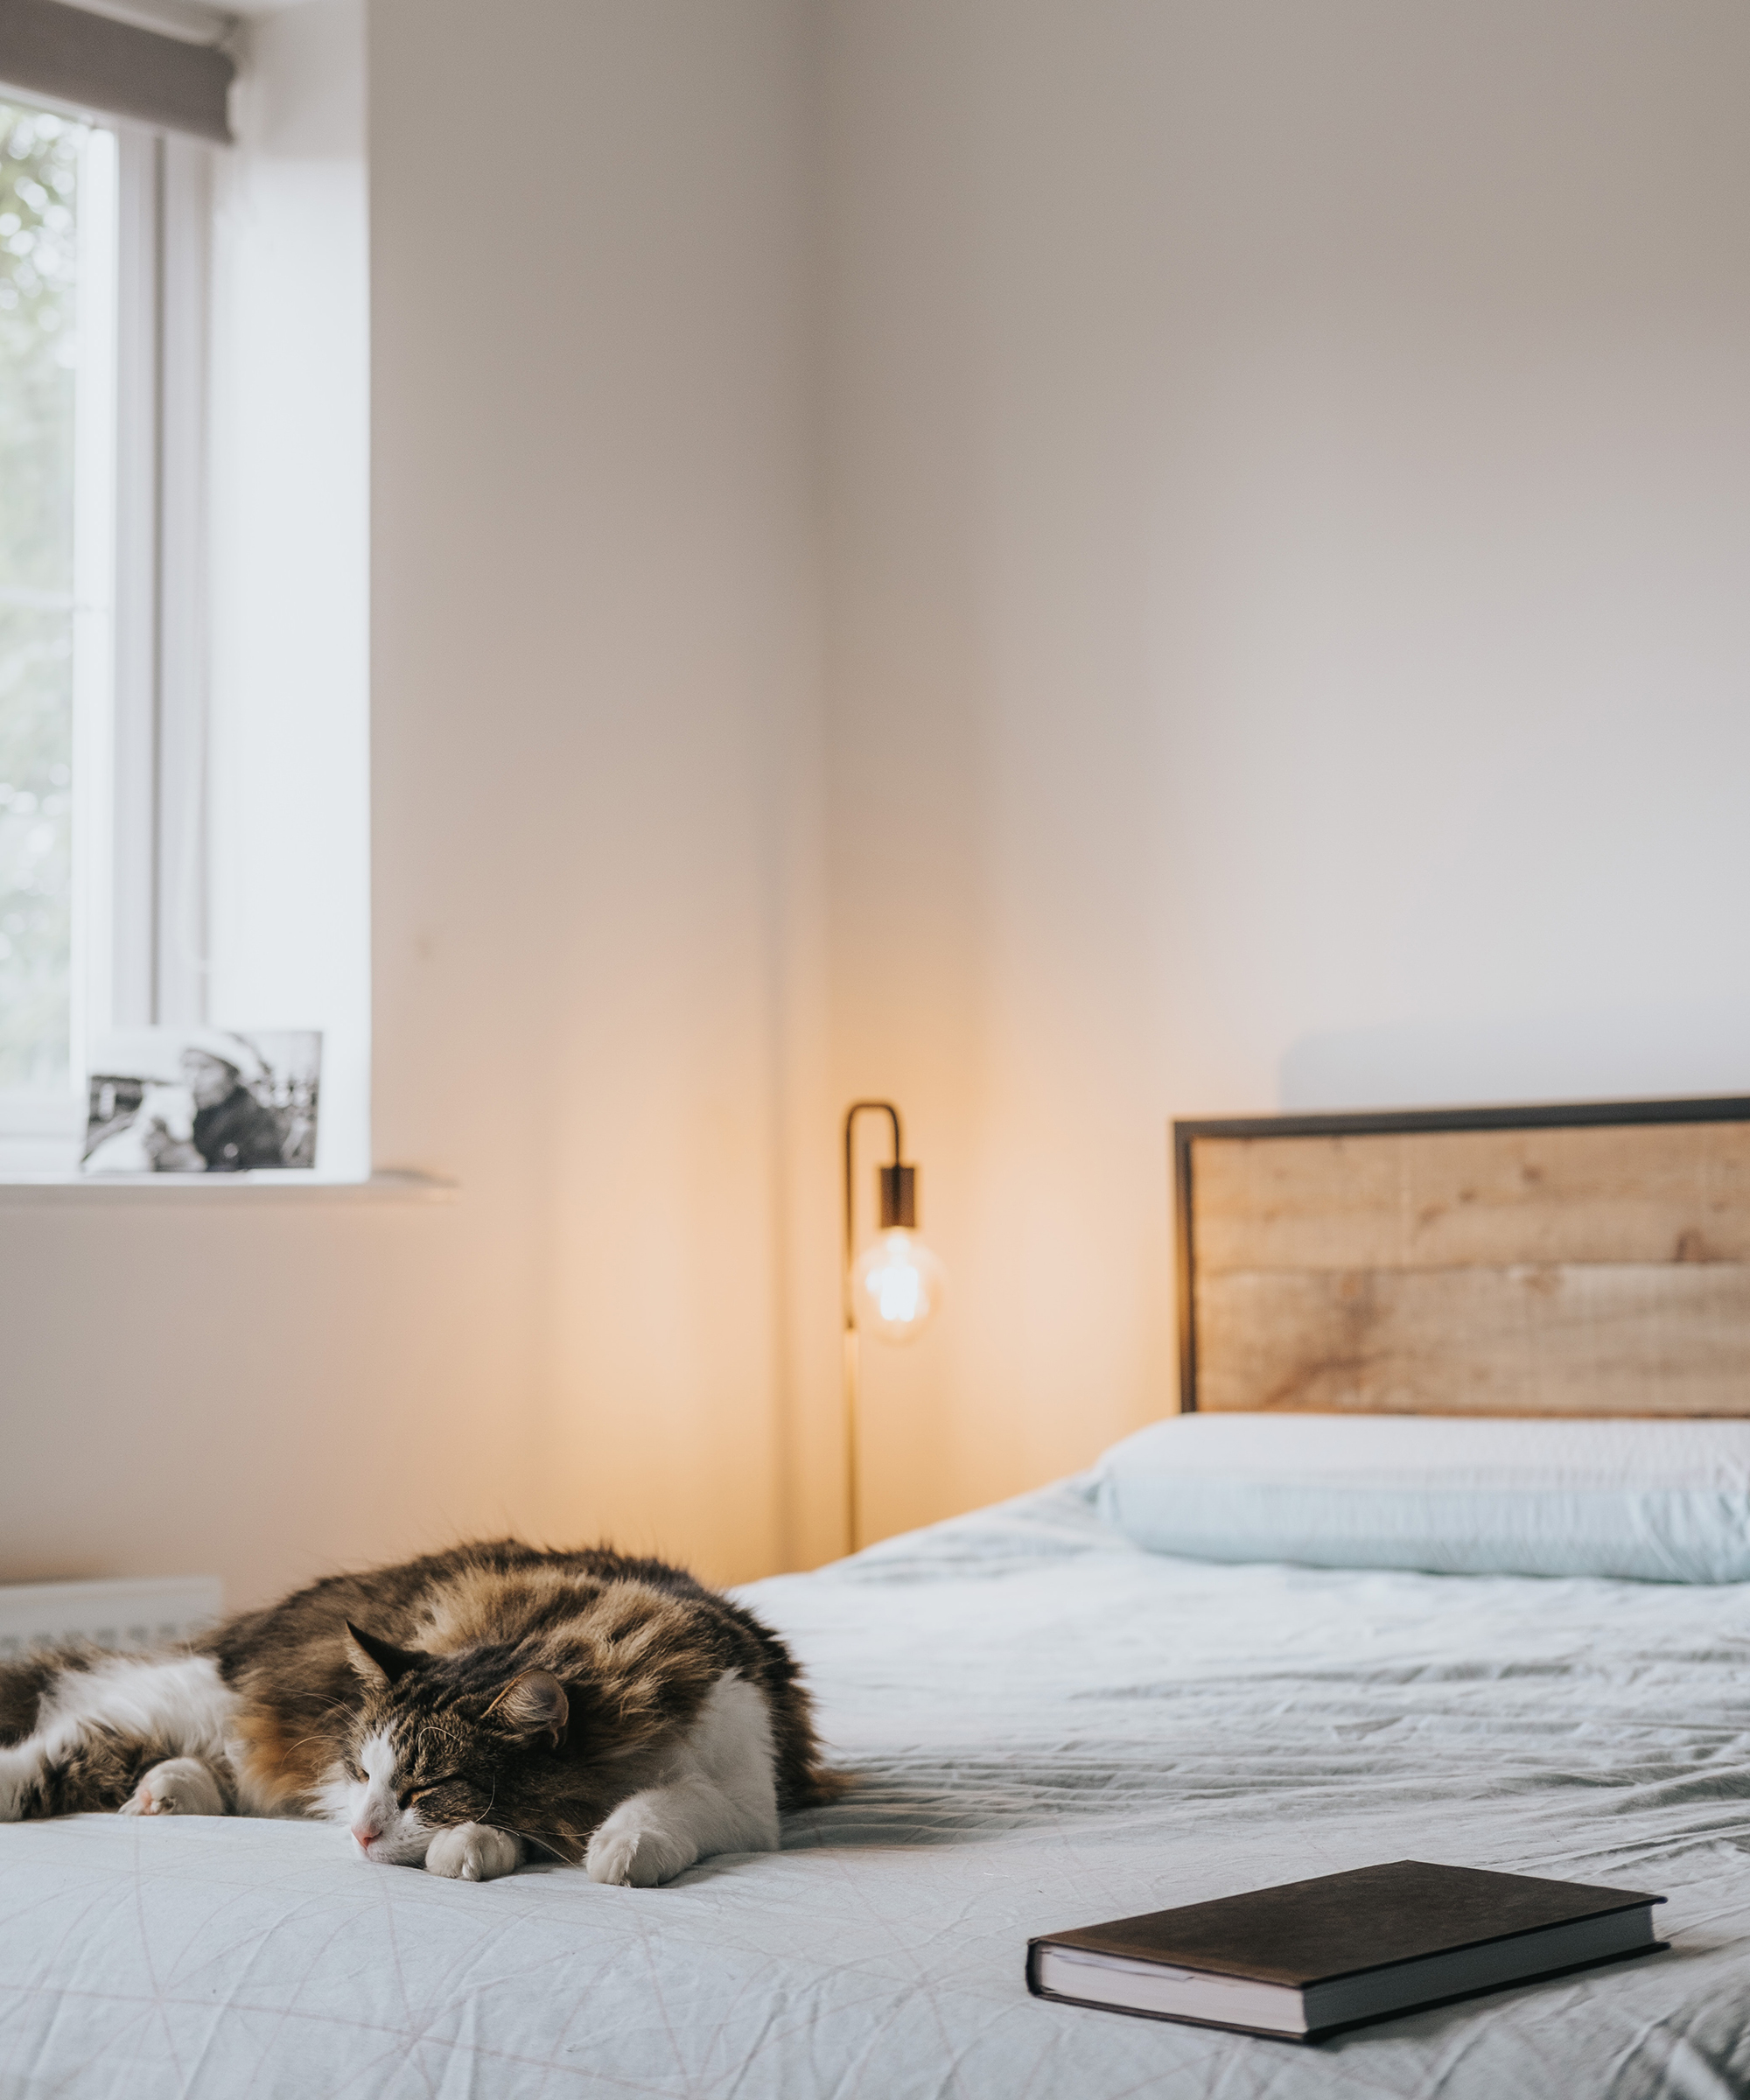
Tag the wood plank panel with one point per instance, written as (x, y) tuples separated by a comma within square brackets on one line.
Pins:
[(1636, 1194), (1626, 1339)]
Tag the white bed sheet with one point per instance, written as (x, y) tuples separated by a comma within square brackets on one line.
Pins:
[(1053, 1728)]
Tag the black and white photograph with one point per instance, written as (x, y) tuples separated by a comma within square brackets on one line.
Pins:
[(203, 1100)]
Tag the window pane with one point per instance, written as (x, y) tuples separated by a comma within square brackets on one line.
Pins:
[(39, 168)]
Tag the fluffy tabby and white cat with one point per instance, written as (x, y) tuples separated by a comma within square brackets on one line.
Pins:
[(463, 1711)]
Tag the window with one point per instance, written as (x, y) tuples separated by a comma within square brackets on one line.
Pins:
[(102, 268), (58, 206), (184, 712)]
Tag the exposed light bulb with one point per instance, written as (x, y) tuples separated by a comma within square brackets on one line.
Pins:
[(896, 1284)]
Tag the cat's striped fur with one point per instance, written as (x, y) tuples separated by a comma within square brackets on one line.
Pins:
[(462, 1710)]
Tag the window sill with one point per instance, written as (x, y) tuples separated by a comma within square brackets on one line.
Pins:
[(389, 1185)]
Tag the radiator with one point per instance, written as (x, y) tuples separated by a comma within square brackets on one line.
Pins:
[(128, 1612)]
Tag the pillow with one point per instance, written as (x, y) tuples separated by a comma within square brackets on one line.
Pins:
[(1654, 1500)]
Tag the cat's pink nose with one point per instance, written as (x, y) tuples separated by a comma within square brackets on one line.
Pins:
[(364, 1832)]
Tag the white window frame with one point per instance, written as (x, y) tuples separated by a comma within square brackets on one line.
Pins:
[(140, 905)]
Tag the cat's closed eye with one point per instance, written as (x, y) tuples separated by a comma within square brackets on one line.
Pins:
[(410, 1795)]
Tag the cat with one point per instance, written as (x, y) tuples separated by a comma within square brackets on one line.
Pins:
[(463, 1711)]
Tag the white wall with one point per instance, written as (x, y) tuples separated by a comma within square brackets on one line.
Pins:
[(1290, 476), (595, 664)]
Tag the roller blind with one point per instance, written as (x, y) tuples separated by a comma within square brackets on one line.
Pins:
[(71, 56)]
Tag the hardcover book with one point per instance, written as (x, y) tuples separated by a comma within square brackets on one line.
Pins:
[(1303, 1960)]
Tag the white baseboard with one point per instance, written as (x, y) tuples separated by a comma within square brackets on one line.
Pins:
[(126, 1612)]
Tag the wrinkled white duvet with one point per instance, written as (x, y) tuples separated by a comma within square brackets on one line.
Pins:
[(1053, 1728)]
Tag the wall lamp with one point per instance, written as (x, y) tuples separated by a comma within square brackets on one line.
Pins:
[(891, 1287)]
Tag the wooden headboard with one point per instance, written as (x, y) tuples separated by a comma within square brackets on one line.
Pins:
[(1585, 1259)]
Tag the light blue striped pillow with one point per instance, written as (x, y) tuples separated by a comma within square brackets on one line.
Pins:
[(1654, 1502)]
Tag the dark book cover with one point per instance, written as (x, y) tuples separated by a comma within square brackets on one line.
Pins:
[(1375, 1918)]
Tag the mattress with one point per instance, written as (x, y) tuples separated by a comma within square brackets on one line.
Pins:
[(1050, 1728)]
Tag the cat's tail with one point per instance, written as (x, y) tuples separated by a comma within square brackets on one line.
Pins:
[(819, 1786), (805, 1780)]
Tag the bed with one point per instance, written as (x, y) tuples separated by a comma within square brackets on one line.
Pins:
[(1052, 1724)]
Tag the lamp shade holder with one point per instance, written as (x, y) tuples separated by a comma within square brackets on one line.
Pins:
[(898, 1193)]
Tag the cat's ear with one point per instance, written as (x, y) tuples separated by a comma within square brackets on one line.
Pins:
[(533, 1704), (376, 1661)]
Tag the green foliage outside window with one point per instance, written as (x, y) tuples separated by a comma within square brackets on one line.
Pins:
[(38, 180)]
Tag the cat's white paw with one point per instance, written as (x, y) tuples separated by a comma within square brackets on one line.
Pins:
[(473, 1851), (180, 1785), (633, 1851)]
